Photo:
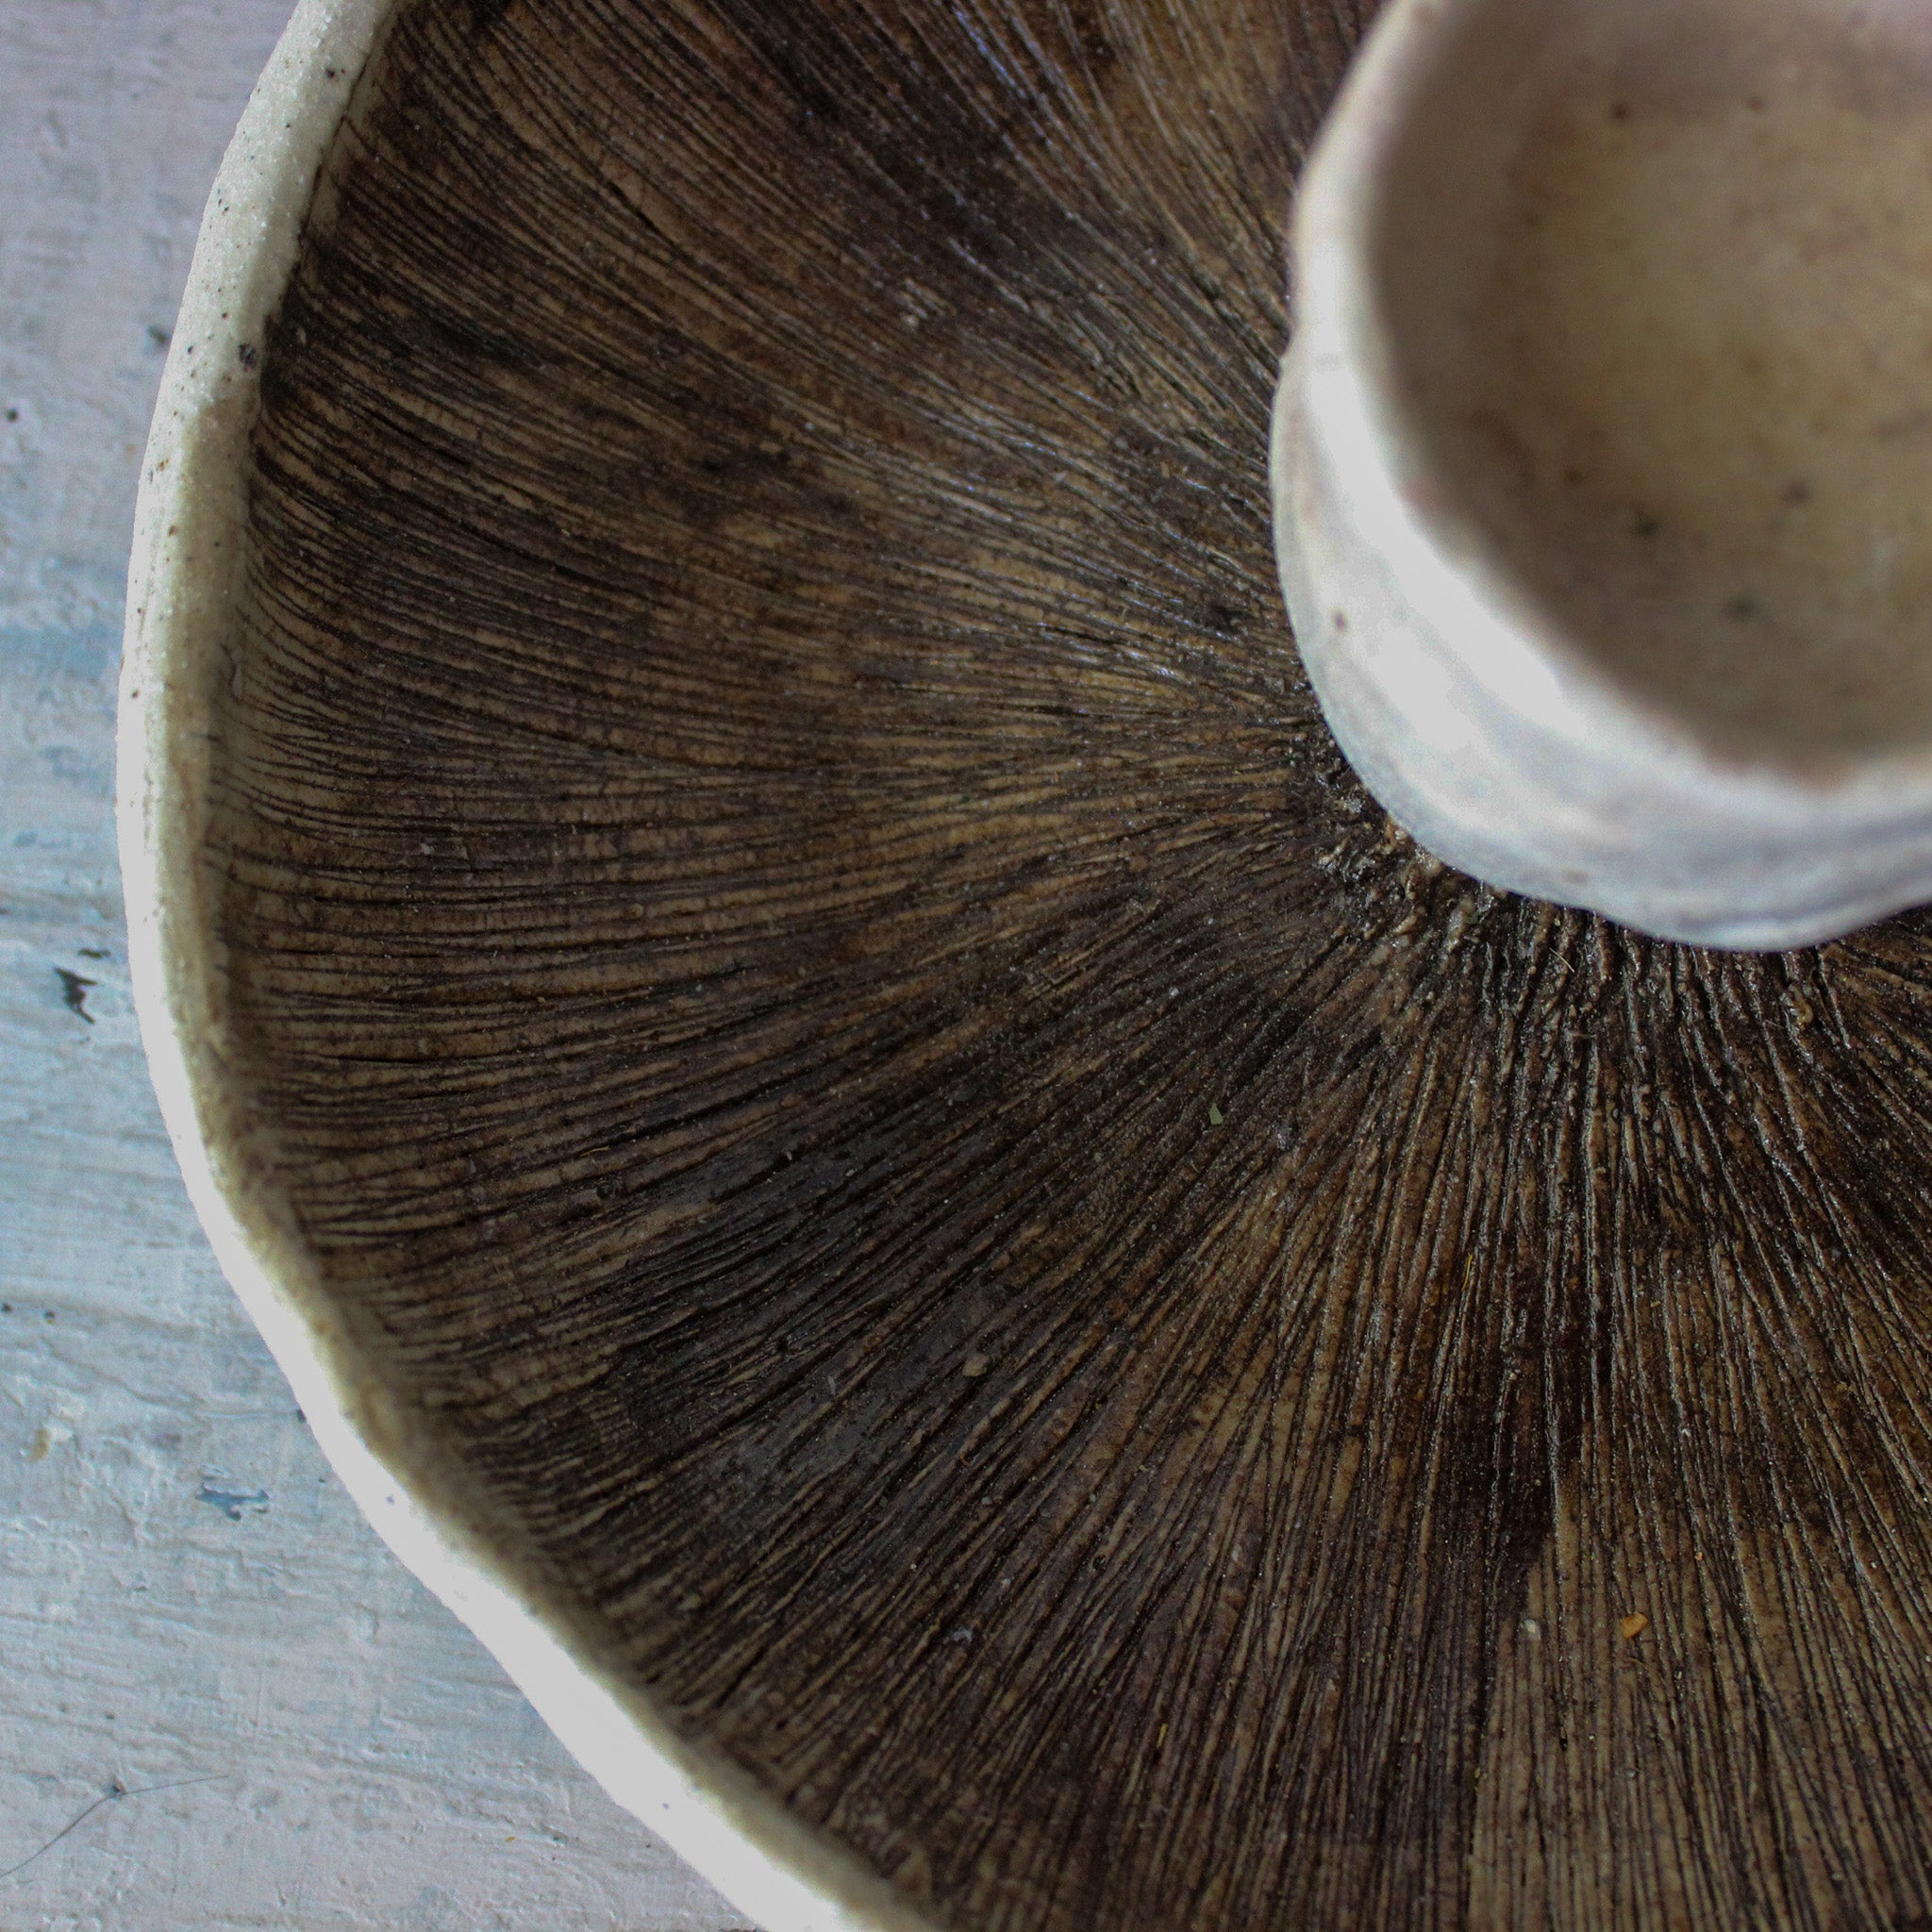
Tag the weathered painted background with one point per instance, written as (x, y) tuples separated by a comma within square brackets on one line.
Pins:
[(187, 1599)]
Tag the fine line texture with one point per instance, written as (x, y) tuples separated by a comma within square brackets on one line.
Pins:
[(1124, 1344)]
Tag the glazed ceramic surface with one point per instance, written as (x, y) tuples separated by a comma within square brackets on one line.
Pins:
[(1599, 455), (1009, 1308)]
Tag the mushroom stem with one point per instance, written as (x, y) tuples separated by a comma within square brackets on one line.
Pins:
[(1599, 453)]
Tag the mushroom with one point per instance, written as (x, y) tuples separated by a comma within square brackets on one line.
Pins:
[(1009, 1308)]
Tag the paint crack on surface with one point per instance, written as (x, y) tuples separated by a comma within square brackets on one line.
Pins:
[(73, 992), (231, 1503), (114, 1792)]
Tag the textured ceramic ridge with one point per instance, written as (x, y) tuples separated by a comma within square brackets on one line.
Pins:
[(1462, 702), (183, 588)]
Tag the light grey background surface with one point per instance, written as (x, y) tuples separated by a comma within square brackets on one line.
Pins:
[(187, 1597)]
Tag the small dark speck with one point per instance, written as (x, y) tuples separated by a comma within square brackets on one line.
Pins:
[(73, 992), (247, 354), (328, 74), (1742, 607), (93, 953), (47, 1314), (1756, 103), (6, 1307), (158, 337), (1619, 110), (1799, 491), (1340, 619), (231, 1502), (1645, 525), (13, 415), (1573, 477)]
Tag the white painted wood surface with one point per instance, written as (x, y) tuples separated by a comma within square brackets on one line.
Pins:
[(187, 1598)]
